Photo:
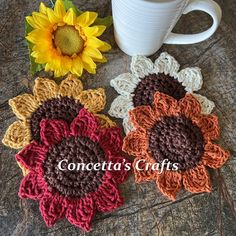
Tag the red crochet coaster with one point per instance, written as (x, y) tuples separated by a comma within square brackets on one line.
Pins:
[(55, 181)]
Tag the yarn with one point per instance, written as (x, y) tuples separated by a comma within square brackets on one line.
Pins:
[(51, 101), (146, 78), (74, 194), (175, 130)]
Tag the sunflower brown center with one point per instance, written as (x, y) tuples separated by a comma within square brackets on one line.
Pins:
[(178, 140), (150, 84), (73, 183), (63, 108), (68, 40)]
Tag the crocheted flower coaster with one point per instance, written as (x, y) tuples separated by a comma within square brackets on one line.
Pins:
[(74, 194), (137, 88), (174, 130), (50, 101)]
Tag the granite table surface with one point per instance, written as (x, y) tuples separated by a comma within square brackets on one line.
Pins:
[(146, 211)]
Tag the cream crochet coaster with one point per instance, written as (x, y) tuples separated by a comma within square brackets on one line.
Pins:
[(138, 87)]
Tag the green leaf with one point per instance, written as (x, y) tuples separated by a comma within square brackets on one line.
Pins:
[(34, 67), (107, 21), (69, 4)]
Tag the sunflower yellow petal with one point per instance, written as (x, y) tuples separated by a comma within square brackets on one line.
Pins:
[(88, 63), (17, 135), (94, 42), (103, 60), (37, 35), (53, 18), (70, 17), (32, 22), (93, 52), (77, 66), (93, 99), (23, 105), (59, 9), (45, 89), (86, 19), (42, 8), (94, 30), (41, 19), (70, 87), (105, 47)]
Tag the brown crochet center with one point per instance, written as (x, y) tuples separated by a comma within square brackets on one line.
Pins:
[(150, 84), (63, 108), (177, 139), (73, 183)]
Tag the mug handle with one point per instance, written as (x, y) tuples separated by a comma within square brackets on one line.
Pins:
[(208, 6)]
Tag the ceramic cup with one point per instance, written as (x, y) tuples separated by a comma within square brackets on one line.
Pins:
[(142, 26)]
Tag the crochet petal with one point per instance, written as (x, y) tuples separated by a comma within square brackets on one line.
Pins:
[(93, 99), (122, 164), (110, 140), (45, 89), (206, 105), (52, 208), (214, 156), (189, 106), (107, 197), (17, 135), (124, 84), (53, 131), (32, 186), (197, 180), (127, 125), (164, 105), (104, 121), (32, 155), (120, 106), (142, 117), (191, 78), (70, 87), (141, 172), (166, 64), (141, 66), (135, 143), (169, 183), (80, 213), (85, 124), (209, 126), (23, 105), (25, 171)]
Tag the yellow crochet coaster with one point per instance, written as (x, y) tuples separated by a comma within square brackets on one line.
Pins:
[(50, 101)]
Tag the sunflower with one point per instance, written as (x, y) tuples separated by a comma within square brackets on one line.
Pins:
[(64, 42), (52, 102), (175, 131), (74, 194), (138, 88)]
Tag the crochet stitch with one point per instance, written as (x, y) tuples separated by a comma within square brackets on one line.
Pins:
[(75, 195), (175, 130), (138, 88), (50, 101)]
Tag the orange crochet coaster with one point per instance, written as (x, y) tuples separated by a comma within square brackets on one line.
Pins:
[(176, 132), (51, 101)]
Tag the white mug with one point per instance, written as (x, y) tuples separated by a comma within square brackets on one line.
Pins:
[(142, 26)]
